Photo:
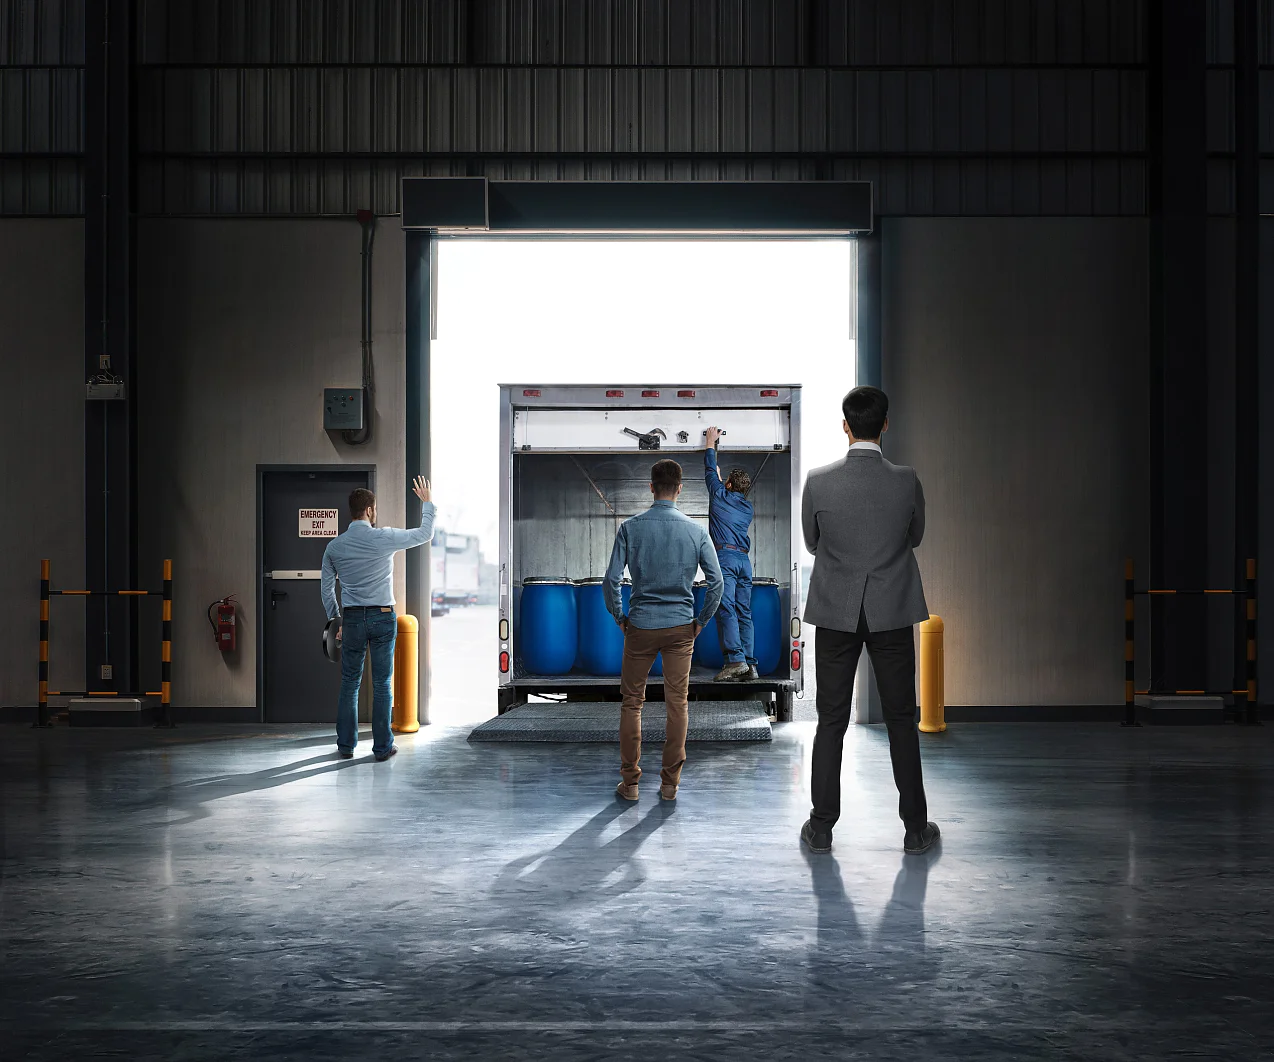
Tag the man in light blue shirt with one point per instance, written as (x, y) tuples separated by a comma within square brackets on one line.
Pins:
[(662, 550), (363, 559)]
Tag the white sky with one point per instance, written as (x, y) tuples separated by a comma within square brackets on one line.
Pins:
[(627, 312)]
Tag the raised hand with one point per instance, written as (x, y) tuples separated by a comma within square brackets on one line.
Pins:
[(711, 436), (421, 489)]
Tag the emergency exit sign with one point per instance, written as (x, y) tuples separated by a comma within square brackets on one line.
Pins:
[(319, 523)]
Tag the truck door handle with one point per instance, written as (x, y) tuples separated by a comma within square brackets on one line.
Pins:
[(275, 595)]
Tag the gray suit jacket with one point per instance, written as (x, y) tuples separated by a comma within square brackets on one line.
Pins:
[(862, 517)]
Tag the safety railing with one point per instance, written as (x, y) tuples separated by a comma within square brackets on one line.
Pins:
[(164, 693), (1246, 693)]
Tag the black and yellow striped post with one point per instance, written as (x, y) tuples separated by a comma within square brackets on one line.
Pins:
[(166, 664), (1130, 691), (1253, 713), (42, 711)]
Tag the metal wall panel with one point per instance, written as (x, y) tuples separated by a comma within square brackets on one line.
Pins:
[(41, 32), (647, 32), (769, 109)]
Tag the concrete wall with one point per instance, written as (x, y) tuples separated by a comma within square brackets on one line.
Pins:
[(42, 442), (1015, 357), (241, 326)]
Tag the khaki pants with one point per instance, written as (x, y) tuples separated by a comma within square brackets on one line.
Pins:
[(640, 649)]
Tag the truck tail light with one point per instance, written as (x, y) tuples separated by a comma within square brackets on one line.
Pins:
[(650, 394), (504, 663), (504, 630), (769, 393), (531, 392), (614, 394), (685, 394), (796, 627), (796, 660)]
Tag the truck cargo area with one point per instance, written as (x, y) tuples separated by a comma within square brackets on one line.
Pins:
[(573, 475)]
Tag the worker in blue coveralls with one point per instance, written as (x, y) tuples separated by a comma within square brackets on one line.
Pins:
[(729, 517)]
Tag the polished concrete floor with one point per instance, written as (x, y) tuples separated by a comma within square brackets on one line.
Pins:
[(239, 893)]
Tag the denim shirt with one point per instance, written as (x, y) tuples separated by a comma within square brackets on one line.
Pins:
[(729, 512), (662, 549), (363, 559)]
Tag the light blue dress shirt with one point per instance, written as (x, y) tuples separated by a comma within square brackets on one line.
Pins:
[(662, 549), (363, 559)]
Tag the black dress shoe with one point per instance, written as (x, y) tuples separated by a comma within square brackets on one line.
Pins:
[(921, 840), (816, 842), (393, 751)]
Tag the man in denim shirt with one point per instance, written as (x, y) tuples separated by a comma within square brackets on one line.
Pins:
[(729, 517), (363, 559), (662, 549)]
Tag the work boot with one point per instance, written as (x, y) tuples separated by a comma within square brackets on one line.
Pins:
[(751, 676), (732, 672)]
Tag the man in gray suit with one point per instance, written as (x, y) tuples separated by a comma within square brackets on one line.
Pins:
[(862, 517)]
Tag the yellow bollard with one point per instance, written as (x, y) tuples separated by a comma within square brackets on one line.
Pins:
[(406, 676), (932, 695)]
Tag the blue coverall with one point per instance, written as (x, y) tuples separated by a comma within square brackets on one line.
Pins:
[(729, 517)]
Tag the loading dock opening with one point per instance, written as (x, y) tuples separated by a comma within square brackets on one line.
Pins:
[(449, 208)]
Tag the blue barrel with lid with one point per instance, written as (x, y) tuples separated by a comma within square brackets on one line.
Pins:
[(548, 626), (769, 636), (601, 639), (707, 645)]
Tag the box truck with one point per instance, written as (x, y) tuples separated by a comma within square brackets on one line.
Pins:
[(574, 464)]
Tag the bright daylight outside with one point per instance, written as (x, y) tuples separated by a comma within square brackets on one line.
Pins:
[(609, 312)]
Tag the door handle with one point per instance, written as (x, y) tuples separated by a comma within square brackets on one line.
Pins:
[(275, 595)]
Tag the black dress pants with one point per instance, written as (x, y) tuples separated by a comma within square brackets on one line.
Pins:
[(893, 656)]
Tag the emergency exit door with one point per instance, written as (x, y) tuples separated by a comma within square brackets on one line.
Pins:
[(301, 511)]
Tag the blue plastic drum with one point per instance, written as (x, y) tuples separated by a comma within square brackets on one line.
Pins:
[(601, 639), (707, 645), (767, 625), (548, 627)]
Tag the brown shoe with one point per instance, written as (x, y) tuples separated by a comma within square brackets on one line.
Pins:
[(624, 791), (668, 792)]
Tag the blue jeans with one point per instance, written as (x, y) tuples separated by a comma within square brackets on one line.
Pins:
[(734, 618), (360, 631)]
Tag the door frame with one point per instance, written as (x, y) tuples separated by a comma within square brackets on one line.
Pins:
[(259, 575)]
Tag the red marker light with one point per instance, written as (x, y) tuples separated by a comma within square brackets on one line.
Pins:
[(531, 392), (796, 660), (685, 394), (614, 394), (504, 663), (650, 394), (769, 393)]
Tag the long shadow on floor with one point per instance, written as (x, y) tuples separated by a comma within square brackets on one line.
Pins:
[(190, 796), (581, 868), (844, 953)]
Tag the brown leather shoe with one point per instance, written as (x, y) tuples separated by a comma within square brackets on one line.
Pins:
[(624, 791), (668, 792)]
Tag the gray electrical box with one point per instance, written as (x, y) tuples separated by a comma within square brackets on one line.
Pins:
[(343, 408)]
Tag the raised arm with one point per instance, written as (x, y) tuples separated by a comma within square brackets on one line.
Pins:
[(716, 583), (327, 585), (917, 530), (809, 519), (392, 539), (613, 584), (711, 476)]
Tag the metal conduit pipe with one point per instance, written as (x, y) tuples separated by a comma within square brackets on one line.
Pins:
[(367, 220)]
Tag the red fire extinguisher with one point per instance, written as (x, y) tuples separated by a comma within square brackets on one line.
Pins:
[(223, 627)]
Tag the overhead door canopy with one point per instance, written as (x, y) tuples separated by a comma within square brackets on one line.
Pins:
[(454, 205)]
